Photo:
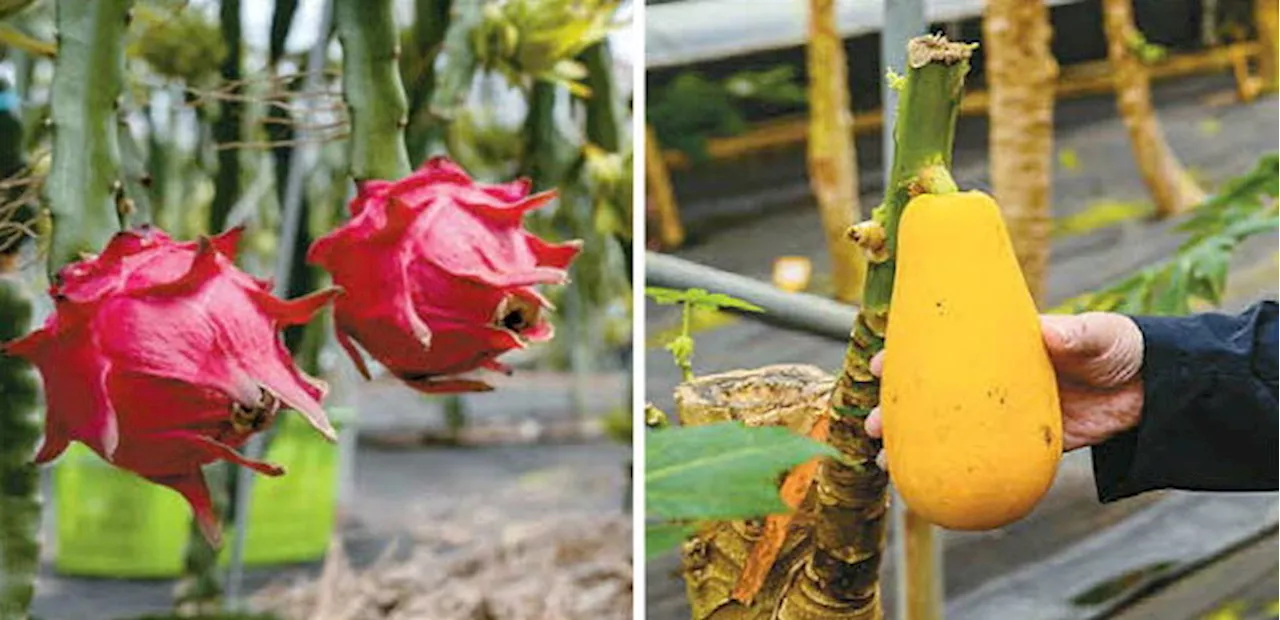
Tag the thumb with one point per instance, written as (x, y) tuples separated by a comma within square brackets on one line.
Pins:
[(1077, 336), (1097, 348)]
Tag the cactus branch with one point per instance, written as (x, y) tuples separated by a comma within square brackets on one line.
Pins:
[(432, 20), (372, 88), (19, 480), (455, 79), (84, 180), (842, 574), (229, 128), (604, 119)]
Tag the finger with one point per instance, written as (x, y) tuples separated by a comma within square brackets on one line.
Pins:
[(873, 425), (882, 461), (1054, 328), (1095, 348), (1066, 337), (877, 363), (1091, 416)]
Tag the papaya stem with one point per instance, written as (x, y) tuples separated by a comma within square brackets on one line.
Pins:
[(935, 179), (843, 571), (684, 357), (84, 177), (372, 88)]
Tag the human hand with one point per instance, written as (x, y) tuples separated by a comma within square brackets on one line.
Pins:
[(1097, 357)]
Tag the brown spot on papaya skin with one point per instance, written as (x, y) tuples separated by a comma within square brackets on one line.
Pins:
[(1048, 435)]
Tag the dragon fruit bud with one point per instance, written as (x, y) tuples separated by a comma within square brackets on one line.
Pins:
[(163, 356), (440, 275)]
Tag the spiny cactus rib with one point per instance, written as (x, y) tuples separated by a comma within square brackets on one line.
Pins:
[(19, 480), (372, 88), (84, 182)]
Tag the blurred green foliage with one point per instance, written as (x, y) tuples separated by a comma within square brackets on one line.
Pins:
[(692, 107), (178, 43), (1243, 207), (541, 39), (690, 301), (716, 471)]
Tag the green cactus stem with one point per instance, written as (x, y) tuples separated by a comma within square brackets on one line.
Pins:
[(84, 183), (19, 479), (455, 81), (540, 136), (372, 88), (604, 113), (227, 130), (418, 68), (281, 21), (133, 205)]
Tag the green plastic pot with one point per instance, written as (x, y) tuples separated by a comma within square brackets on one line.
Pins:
[(111, 523)]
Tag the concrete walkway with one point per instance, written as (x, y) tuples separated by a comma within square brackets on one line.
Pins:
[(410, 495)]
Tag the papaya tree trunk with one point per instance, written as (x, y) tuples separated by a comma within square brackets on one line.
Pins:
[(842, 575), (833, 170), (1266, 15), (1171, 188), (829, 564), (1021, 76), (658, 190), (19, 434), (716, 557)]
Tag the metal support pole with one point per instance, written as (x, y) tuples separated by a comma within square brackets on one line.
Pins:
[(903, 19), (915, 544), (799, 311), (292, 212)]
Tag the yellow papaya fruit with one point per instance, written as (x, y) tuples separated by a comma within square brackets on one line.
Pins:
[(969, 398)]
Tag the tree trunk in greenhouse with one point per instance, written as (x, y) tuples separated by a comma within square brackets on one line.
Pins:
[(827, 564), (1267, 17), (659, 192), (1021, 75), (833, 171), (716, 558), (1171, 188)]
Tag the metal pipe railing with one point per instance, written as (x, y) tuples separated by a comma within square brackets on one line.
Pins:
[(798, 311)]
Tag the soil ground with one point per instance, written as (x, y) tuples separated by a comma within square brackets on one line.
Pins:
[(495, 506), (745, 213)]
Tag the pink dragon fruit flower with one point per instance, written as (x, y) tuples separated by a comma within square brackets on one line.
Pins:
[(163, 357), (440, 275)]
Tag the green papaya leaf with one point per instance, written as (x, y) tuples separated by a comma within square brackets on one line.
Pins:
[(721, 471), (660, 538), (719, 301)]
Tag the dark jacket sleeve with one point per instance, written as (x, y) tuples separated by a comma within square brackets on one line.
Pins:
[(1209, 416)]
